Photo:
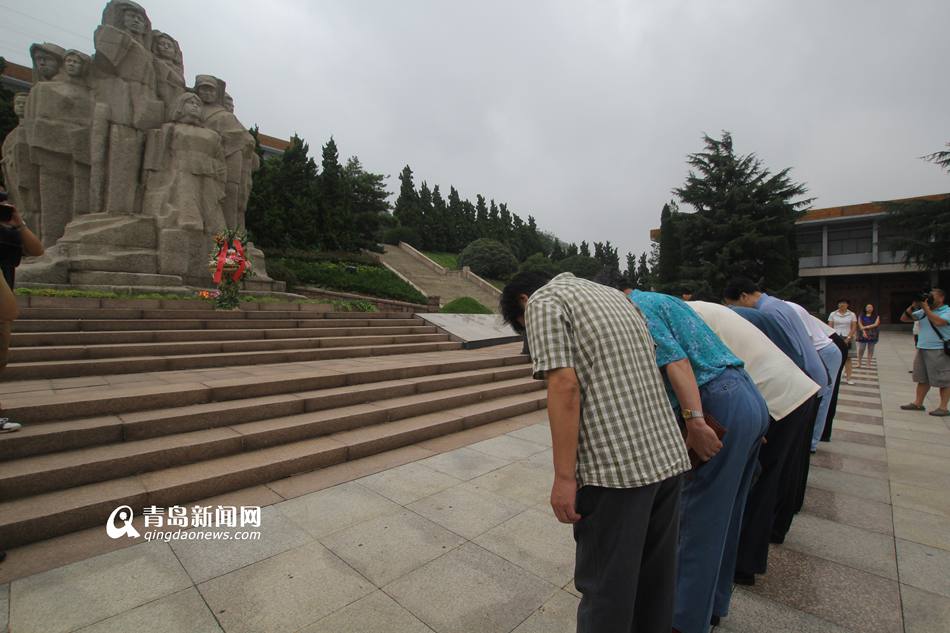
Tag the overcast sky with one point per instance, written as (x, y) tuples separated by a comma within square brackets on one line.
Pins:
[(579, 113)]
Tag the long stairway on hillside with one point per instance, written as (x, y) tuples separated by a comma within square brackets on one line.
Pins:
[(433, 283), (162, 407)]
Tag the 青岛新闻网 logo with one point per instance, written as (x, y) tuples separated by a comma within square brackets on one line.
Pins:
[(124, 515)]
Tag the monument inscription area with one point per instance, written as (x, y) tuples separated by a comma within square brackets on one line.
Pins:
[(123, 171)]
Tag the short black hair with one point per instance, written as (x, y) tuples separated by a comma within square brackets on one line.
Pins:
[(840, 301), (737, 286), (525, 283)]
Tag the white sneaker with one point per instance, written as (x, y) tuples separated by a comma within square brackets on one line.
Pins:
[(850, 382), (6, 426)]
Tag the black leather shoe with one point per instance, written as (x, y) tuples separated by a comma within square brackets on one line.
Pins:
[(714, 621), (744, 579)]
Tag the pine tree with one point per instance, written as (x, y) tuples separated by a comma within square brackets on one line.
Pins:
[(438, 229), (585, 249), (630, 275), (571, 250), (744, 221), (557, 252), (334, 225), (368, 202), (481, 217), (406, 210), (668, 269), (644, 274)]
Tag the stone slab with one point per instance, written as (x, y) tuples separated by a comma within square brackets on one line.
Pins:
[(322, 513), (408, 483), (388, 547), (182, 612), (376, 613), (83, 593), (924, 612), (474, 330), (924, 567), (471, 590), (557, 615), (284, 593), (466, 510), (535, 541)]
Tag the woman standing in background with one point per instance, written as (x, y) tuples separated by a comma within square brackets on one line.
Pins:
[(868, 332), (845, 323)]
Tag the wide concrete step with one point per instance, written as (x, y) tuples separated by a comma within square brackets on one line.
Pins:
[(128, 325), (235, 315), (59, 339), (181, 348), (45, 473), (98, 402), (49, 514), (53, 437), (141, 364)]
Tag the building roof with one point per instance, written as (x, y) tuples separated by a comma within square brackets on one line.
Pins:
[(273, 142), (865, 208), (18, 72)]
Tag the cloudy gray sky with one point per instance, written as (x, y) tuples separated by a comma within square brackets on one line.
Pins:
[(579, 113)]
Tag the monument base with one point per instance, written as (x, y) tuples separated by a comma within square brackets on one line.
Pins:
[(101, 250)]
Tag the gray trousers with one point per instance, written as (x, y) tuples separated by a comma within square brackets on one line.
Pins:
[(626, 557)]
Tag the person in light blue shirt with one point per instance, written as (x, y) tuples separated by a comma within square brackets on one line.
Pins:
[(932, 364), (703, 375)]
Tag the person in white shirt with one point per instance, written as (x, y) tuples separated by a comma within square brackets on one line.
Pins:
[(791, 397), (845, 323), (830, 356)]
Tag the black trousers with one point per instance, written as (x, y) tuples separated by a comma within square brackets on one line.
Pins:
[(795, 480), (826, 434), (772, 490), (625, 536)]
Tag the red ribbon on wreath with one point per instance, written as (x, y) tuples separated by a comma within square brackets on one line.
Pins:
[(243, 262), (222, 255)]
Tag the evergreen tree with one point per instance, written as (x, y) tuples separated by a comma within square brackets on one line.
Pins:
[(481, 217), (457, 221), (585, 249), (744, 221), (921, 228), (368, 202), (630, 275), (494, 225), (406, 210), (668, 269), (282, 209), (334, 224), (438, 229), (644, 274), (557, 252), (571, 250)]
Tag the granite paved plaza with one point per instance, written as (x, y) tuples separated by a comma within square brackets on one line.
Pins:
[(461, 540)]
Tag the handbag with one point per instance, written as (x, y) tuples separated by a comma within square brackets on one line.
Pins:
[(718, 429)]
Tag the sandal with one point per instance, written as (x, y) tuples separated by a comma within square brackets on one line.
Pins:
[(912, 407), (940, 413)]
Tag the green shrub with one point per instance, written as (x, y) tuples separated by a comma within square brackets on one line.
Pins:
[(489, 258), (402, 234), (464, 305), (279, 270), (581, 266), (373, 280), (539, 263), (319, 256)]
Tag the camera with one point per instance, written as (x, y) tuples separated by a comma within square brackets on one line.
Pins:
[(6, 211)]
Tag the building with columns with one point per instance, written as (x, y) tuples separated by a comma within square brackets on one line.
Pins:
[(848, 254)]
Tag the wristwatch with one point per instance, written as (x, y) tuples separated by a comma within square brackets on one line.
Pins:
[(689, 414)]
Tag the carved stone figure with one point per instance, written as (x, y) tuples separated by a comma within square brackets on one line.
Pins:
[(185, 184), (18, 173), (47, 59), (59, 120), (238, 146), (169, 70), (126, 85), (126, 173)]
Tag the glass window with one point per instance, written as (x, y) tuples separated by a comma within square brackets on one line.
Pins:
[(848, 240), (809, 243)]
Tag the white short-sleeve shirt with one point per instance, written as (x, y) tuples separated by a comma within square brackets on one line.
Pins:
[(784, 386), (842, 322)]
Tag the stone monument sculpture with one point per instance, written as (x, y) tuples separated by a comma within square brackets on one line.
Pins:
[(18, 172), (59, 120), (127, 173)]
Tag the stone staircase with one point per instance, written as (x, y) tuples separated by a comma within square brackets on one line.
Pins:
[(435, 281), (161, 407)]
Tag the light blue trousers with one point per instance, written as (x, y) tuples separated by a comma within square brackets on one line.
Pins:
[(831, 356)]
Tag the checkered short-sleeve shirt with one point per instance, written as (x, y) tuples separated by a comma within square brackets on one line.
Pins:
[(628, 434)]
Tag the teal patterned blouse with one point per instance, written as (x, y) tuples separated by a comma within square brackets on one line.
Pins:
[(680, 333)]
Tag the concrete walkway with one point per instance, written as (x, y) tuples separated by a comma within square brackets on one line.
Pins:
[(463, 541)]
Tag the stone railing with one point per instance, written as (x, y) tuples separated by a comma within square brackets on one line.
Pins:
[(442, 270), (480, 281)]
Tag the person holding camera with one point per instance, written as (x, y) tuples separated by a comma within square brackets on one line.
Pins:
[(16, 240), (932, 363)]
